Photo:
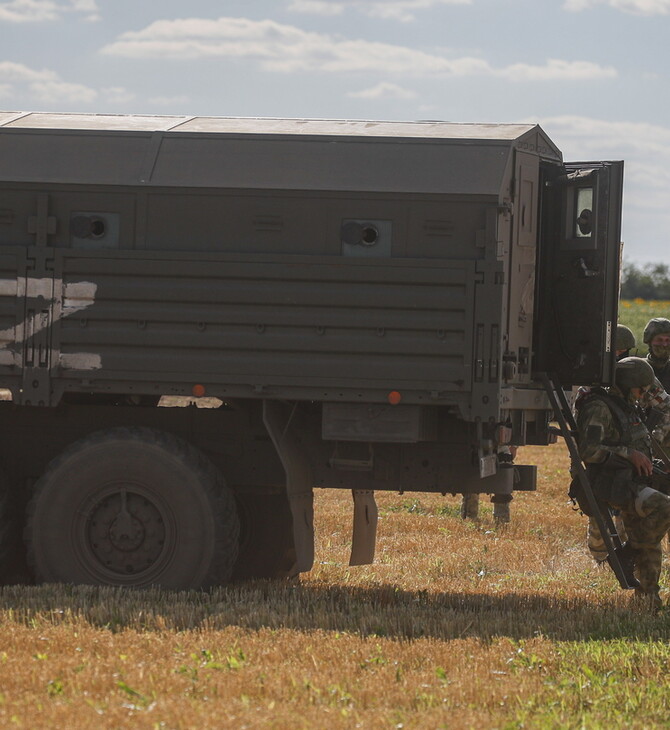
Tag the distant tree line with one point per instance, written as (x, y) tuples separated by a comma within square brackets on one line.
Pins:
[(649, 281)]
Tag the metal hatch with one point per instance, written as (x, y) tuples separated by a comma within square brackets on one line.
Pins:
[(578, 273)]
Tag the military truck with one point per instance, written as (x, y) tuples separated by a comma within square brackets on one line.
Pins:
[(371, 306)]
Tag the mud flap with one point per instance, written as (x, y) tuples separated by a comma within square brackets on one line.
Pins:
[(364, 533), (299, 480)]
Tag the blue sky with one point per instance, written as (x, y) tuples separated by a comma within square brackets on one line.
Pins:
[(593, 73)]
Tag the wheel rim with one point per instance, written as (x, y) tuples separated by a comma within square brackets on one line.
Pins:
[(125, 534)]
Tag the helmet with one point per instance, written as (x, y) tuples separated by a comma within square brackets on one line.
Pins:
[(656, 326), (633, 372), (624, 339)]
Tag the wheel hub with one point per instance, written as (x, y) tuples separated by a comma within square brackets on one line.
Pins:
[(126, 532)]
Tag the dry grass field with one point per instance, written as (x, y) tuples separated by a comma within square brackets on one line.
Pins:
[(455, 625)]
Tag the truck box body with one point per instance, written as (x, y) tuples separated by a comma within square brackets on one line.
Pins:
[(383, 293)]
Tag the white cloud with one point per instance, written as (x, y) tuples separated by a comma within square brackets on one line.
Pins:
[(116, 95), (402, 10), (635, 7), (644, 147), (652, 139), (169, 101), (317, 7), (35, 11), (384, 90), (645, 150), (285, 48), (53, 91), (17, 72), (27, 11), (557, 69), (42, 85)]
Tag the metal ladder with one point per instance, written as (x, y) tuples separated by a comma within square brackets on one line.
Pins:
[(602, 516)]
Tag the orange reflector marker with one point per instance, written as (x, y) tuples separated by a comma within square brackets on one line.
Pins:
[(394, 397), (198, 390)]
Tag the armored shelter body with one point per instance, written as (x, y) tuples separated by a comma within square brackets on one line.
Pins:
[(370, 302)]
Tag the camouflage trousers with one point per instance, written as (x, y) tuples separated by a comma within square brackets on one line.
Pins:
[(643, 522), (646, 520), (595, 542)]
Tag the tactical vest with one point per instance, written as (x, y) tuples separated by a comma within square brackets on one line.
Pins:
[(614, 481), (627, 420)]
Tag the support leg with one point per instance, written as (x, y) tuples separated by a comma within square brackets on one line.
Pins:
[(501, 511), (364, 533), (470, 506)]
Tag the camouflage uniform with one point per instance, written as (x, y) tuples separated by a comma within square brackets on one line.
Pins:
[(594, 540), (661, 370), (658, 356), (645, 512), (655, 397)]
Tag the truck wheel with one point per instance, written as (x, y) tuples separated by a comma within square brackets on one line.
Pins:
[(132, 507), (12, 553), (266, 537)]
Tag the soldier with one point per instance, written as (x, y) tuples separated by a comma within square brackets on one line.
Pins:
[(654, 397), (624, 341), (657, 335), (615, 446)]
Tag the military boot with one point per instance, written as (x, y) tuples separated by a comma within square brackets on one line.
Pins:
[(651, 601), (626, 555)]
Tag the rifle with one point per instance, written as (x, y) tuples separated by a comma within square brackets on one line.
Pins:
[(661, 477)]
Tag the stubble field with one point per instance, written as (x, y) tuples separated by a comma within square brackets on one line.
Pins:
[(456, 624)]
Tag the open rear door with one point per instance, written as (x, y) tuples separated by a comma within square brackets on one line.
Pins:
[(578, 272)]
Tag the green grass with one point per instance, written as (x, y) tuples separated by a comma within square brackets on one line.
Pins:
[(635, 313), (604, 685)]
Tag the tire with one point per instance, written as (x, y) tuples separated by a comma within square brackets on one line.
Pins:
[(132, 507), (266, 538), (13, 567), (5, 525)]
